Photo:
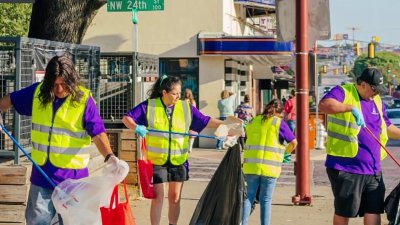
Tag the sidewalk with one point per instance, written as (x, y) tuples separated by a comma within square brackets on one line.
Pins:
[(283, 211)]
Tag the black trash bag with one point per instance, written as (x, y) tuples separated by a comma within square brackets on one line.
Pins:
[(392, 206), (222, 201)]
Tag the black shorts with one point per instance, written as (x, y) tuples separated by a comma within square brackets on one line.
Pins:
[(356, 194), (169, 173)]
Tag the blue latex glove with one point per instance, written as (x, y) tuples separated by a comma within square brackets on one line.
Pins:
[(141, 130), (359, 116)]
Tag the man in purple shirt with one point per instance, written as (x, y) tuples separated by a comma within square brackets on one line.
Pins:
[(353, 160), (61, 93)]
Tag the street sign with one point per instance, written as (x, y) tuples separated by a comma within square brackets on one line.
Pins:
[(140, 5)]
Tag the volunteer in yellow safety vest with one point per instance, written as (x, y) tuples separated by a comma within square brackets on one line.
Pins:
[(263, 157), (166, 112), (353, 160), (65, 118)]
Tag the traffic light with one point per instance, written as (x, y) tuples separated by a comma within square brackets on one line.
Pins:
[(324, 69), (356, 49), (389, 69), (344, 69), (371, 50), (336, 71)]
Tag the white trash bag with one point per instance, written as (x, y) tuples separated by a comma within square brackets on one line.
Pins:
[(79, 201)]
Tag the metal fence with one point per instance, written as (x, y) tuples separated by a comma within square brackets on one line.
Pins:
[(22, 63), (109, 76), (117, 84)]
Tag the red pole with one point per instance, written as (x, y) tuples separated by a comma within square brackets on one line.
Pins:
[(302, 164)]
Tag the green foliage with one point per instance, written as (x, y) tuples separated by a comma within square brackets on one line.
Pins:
[(15, 19), (381, 61)]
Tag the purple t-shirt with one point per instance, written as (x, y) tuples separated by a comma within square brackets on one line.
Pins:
[(139, 115), (285, 134), (367, 160), (22, 101)]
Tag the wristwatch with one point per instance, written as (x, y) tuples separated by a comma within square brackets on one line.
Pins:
[(108, 157)]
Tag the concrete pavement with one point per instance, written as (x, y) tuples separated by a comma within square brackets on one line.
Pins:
[(283, 211)]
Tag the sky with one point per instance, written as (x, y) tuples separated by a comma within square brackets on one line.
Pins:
[(371, 17)]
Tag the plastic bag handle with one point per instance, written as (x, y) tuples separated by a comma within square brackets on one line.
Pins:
[(144, 149), (114, 196)]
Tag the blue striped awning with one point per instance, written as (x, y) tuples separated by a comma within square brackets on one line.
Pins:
[(243, 46), (267, 3)]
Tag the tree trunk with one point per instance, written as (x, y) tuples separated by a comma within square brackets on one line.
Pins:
[(62, 20)]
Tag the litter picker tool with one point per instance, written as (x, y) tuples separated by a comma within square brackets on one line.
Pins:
[(184, 134), (79, 201), (388, 152)]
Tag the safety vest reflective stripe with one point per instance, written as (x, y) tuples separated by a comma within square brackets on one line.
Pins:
[(342, 137), (152, 103), (60, 131), (166, 135), (165, 151), (263, 161), (342, 122), (188, 115), (61, 150), (274, 121), (265, 148)]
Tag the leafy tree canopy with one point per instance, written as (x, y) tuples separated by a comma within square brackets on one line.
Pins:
[(382, 61), (15, 19)]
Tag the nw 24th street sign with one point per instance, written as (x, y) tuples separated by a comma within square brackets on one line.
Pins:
[(140, 5)]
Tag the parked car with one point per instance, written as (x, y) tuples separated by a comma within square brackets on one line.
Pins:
[(394, 117), (396, 103), (388, 100)]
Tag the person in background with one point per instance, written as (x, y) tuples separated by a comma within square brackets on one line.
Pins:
[(244, 112), (290, 118), (283, 100), (353, 156), (190, 98), (225, 107), (65, 119), (263, 156), (166, 112)]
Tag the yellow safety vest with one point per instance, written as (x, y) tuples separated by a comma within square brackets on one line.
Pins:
[(343, 129), (263, 154), (161, 146), (60, 137)]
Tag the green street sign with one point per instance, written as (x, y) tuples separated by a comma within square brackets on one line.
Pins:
[(140, 5)]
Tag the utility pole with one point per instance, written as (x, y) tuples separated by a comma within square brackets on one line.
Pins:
[(353, 29), (302, 166)]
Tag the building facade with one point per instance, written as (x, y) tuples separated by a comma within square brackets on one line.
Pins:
[(193, 40)]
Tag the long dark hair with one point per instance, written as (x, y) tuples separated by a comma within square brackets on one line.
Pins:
[(272, 108), (163, 83), (60, 66)]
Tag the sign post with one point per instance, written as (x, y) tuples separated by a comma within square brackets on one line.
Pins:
[(134, 6)]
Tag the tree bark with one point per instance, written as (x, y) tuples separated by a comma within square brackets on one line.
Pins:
[(62, 20)]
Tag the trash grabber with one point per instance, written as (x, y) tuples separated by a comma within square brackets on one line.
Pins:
[(388, 152), (3, 128), (185, 134)]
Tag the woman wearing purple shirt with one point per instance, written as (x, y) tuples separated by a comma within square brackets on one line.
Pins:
[(168, 152), (60, 84), (354, 169)]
